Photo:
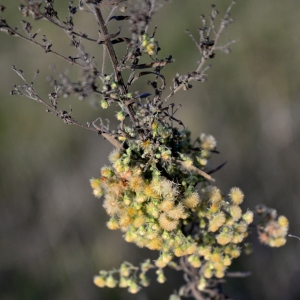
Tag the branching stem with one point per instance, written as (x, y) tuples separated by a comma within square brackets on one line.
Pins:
[(114, 61)]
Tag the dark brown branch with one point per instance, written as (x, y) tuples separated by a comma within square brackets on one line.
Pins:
[(111, 51), (114, 60)]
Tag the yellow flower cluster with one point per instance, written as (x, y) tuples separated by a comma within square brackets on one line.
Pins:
[(148, 211), (159, 207), (148, 44), (153, 211), (223, 227), (272, 230), (127, 277)]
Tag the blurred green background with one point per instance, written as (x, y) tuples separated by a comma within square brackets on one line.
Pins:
[(53, 237)]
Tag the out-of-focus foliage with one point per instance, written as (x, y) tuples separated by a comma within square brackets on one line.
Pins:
[(52, 233)]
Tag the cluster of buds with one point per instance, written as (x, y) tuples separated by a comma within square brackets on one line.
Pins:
[(111, 94), (109, 91), (148, 44), (129, 275), (223, 228), (272, 229)]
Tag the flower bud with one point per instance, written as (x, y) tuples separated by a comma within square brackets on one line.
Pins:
[(104, 104), (99, 281), (248, 217), (111, 282), (120, 116), (133, 287)]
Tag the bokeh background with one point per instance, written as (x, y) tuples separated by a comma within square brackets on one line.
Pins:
[(53, 237)]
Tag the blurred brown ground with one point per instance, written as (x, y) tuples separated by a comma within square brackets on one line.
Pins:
[(53, 237)]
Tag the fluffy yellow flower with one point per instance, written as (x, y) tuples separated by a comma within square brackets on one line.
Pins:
[(213, 194), (177, 212), (155, 244), (248, 217), (136, 183), (111, 205), (112, 224), (167, 223), (216, 222), (191, 249), (224, 237), (166, 205), (192, 200), (235, 212), (283, 221), (236, 196), (208, 142)]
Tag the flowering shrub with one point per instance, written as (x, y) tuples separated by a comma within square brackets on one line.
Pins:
[(158, 190)]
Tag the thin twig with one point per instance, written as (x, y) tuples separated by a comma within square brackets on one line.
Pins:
[(211, 51), (294, 236), (40, 14), (44, 47), (191, 283), (196, 170)]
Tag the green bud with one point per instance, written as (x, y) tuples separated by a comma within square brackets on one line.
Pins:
[(144, 37), (126, 200), (124, 270), (166, 235), (137, 206), (146, 265), (111, 282), (126, 160), (104, 104), (145, 43), (133, 287), (201, 284), (123, 282), (144, 281), (114, 85), (160, 276)]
